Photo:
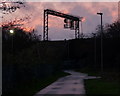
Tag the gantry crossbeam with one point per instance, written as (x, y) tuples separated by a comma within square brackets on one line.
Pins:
[(62, 15)]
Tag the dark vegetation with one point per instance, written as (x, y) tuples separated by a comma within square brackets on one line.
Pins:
[(108, 84), (27, 59), (96, 87), (110, 77), (32, 86)]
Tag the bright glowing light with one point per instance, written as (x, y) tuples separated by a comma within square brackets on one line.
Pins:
[(11, 31), (83, 19)]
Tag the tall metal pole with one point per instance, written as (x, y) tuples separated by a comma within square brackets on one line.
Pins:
[(77, 33), (12, 44), (45, 27), (12, 34), (81, 30), (95, 50), (101, 45), (101, 42)]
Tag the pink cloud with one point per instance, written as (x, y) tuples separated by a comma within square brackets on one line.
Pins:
[(87, 10)]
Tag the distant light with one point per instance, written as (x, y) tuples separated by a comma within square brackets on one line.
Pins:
[(83, 19), (11, 31)]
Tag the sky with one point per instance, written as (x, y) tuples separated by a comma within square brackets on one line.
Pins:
[(34, 10)]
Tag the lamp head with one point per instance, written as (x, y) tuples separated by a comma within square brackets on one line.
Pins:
[(11, 31), (100, 13)]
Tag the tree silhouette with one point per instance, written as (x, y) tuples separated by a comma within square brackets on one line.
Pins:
[(113, 30), (10, 7), (109, 30), (19, 40)]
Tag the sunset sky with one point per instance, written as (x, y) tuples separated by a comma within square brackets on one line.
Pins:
[(56, 25)]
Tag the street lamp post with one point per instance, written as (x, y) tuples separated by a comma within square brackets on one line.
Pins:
[(94, 34), (12, 33), (101, 14)]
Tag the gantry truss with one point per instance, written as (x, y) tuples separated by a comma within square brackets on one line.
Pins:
[(73, 19)]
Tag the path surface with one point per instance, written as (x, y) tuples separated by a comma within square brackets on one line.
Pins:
[(71, 84)]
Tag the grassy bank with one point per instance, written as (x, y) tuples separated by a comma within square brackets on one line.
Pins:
[(101, 87), (30, 88), (107, 85)]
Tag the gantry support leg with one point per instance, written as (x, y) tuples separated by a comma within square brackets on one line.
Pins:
[(77, 30), (45, 31)]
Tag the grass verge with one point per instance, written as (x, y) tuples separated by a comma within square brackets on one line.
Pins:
[(107, 85), (100, 87), (88, 71)]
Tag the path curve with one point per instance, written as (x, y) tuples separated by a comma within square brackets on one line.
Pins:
[(71, 84)]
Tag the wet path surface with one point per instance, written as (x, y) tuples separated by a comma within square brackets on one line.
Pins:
[(72, 84)]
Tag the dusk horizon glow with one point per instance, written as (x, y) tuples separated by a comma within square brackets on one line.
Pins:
[(88, 10)]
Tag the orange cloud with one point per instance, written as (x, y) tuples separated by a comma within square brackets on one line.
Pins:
[(27, 29)]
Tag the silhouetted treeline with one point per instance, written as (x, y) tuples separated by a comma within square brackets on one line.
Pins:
[(17, 41), (87, 53), (25, 58), (109, 31)]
